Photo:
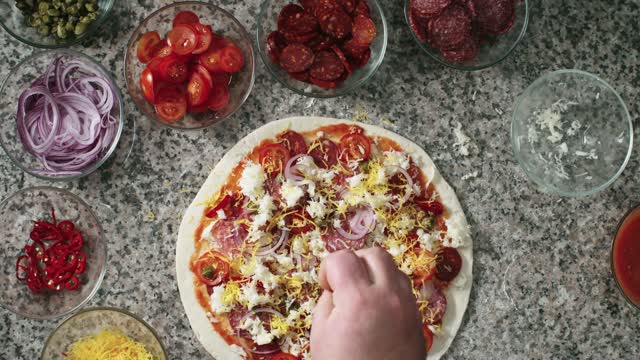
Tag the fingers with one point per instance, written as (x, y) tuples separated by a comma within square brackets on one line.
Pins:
[(381, 266), (342, 270), (324, 307)]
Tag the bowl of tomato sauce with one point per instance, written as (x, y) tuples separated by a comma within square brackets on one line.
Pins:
[(625, 255), (189, 65)]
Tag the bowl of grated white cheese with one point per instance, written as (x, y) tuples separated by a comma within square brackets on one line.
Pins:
[(571, 133)]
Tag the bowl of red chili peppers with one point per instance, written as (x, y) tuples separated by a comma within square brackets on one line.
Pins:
[(54, 253)]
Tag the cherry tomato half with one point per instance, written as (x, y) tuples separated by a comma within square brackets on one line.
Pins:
[(448, 264), (219, 97), (212, 268), (202, 71), (171, 103), (162, 49), (273, 158), (147, 46), (198, 89), (355, 147), (182, 39), (146, 84), (324, 152), (284, 356), (212, 60), (185, 17), (231, 59), (221, 78), (170, 68), (294, 142), (205, 36), (428, 336)]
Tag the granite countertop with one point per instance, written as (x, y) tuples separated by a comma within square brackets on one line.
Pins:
[(542, 286)]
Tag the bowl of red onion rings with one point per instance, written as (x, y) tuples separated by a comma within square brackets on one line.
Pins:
[(62, 115)]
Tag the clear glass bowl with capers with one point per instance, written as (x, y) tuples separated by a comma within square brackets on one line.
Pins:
[(53, 23)]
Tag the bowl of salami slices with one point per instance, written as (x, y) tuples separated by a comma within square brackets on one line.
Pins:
[(467, 34), (322, 48)]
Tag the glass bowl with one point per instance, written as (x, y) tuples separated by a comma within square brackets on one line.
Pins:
[(223, 23), (493, 49), (17, 214), (19, 79), (628, 216), (91, 321), (267, 22), (571, 133), (12, 20)]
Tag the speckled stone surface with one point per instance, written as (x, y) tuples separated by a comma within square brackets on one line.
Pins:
[(542, 286)]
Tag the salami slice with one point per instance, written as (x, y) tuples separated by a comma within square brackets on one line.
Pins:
[(293, 38), (450, 30), (319, 43), (327, 66), (334, 242), (300, 23), (360, 62), (334, 21), (429, 8), (494, 16), (275, 43), (228, 236), (364, 30), (362, 9), (342, 57), (309, 5), (418, 28), (348, 5), (286, 13), (300, 76), (323, 84), (324, 154), (466, 52), (436, 307), (296, 58), (353, 49)]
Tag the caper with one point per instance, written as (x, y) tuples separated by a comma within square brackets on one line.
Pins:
[(90, 7), (69, 26), (44, 30), (61, 32), (43, 7), (72, 10), (53, 12), (46, 19), (80, 28), (59, 18)]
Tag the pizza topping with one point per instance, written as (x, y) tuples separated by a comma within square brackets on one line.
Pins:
[(449, 264), (252, 180)]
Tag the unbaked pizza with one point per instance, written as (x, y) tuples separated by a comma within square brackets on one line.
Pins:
[(288, 195)]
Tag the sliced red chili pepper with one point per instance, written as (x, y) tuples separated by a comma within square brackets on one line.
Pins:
[(221, 205), (73, 283), (66, 226), (21, 268)]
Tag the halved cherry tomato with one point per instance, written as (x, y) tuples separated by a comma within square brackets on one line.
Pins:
[(355, 147), (182, 39), (221, 78), (147, 46), (198, 89), (431, 206), (299, 222), (171, 103), (162, 49), (448, 264), (273, 158), (212, 60), (202, 71), (294, 142), (185, 17), (219, 42), (205, 36), (170, 68), (219, 97), (324, 152), (146, 84), (428, 336), (231, 59), (284, 356), (212, 268)]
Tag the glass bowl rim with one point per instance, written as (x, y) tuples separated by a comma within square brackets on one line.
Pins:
[(100, 309), (385, 40), (515, 125), (75, 40), (612, 267), (245, 35), (523, 31), (103, 270), (118, 133)]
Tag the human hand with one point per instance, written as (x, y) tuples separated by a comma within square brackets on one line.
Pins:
[(367, 310)]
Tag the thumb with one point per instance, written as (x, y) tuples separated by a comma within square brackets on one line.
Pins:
[(323, 308)]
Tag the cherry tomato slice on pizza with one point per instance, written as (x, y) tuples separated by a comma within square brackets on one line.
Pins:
[(182, 39), (185, 17), (171, 104), (355, 147), (324, 152), (294, 142), (147, 46), (428, 336), (212, 268), (205, 36), (448, 264), (273, 158), (146, 85), (284, 356)]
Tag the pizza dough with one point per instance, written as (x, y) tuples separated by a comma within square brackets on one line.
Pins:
[(457, 294)]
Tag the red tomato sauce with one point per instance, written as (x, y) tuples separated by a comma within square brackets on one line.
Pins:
[(626, 256)]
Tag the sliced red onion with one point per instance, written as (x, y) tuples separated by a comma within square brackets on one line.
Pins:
[(350, 236), (284, 235), (65, 119), (255, 312), (291, 167), (363, 220)]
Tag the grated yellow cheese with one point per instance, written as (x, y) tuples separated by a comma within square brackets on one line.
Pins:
[(108, 345)]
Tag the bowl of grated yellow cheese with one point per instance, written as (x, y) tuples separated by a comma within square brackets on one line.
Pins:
[(103, 334)]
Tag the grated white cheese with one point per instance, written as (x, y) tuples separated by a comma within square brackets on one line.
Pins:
[(591, 155), (428, 240), (317, 207), (470, 175), (458, 233), (259, 334), (250, 294), (263, 274), (355, 180), (395, 159), (252, 180), (291, 193), (462, 140), (217, 305)]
